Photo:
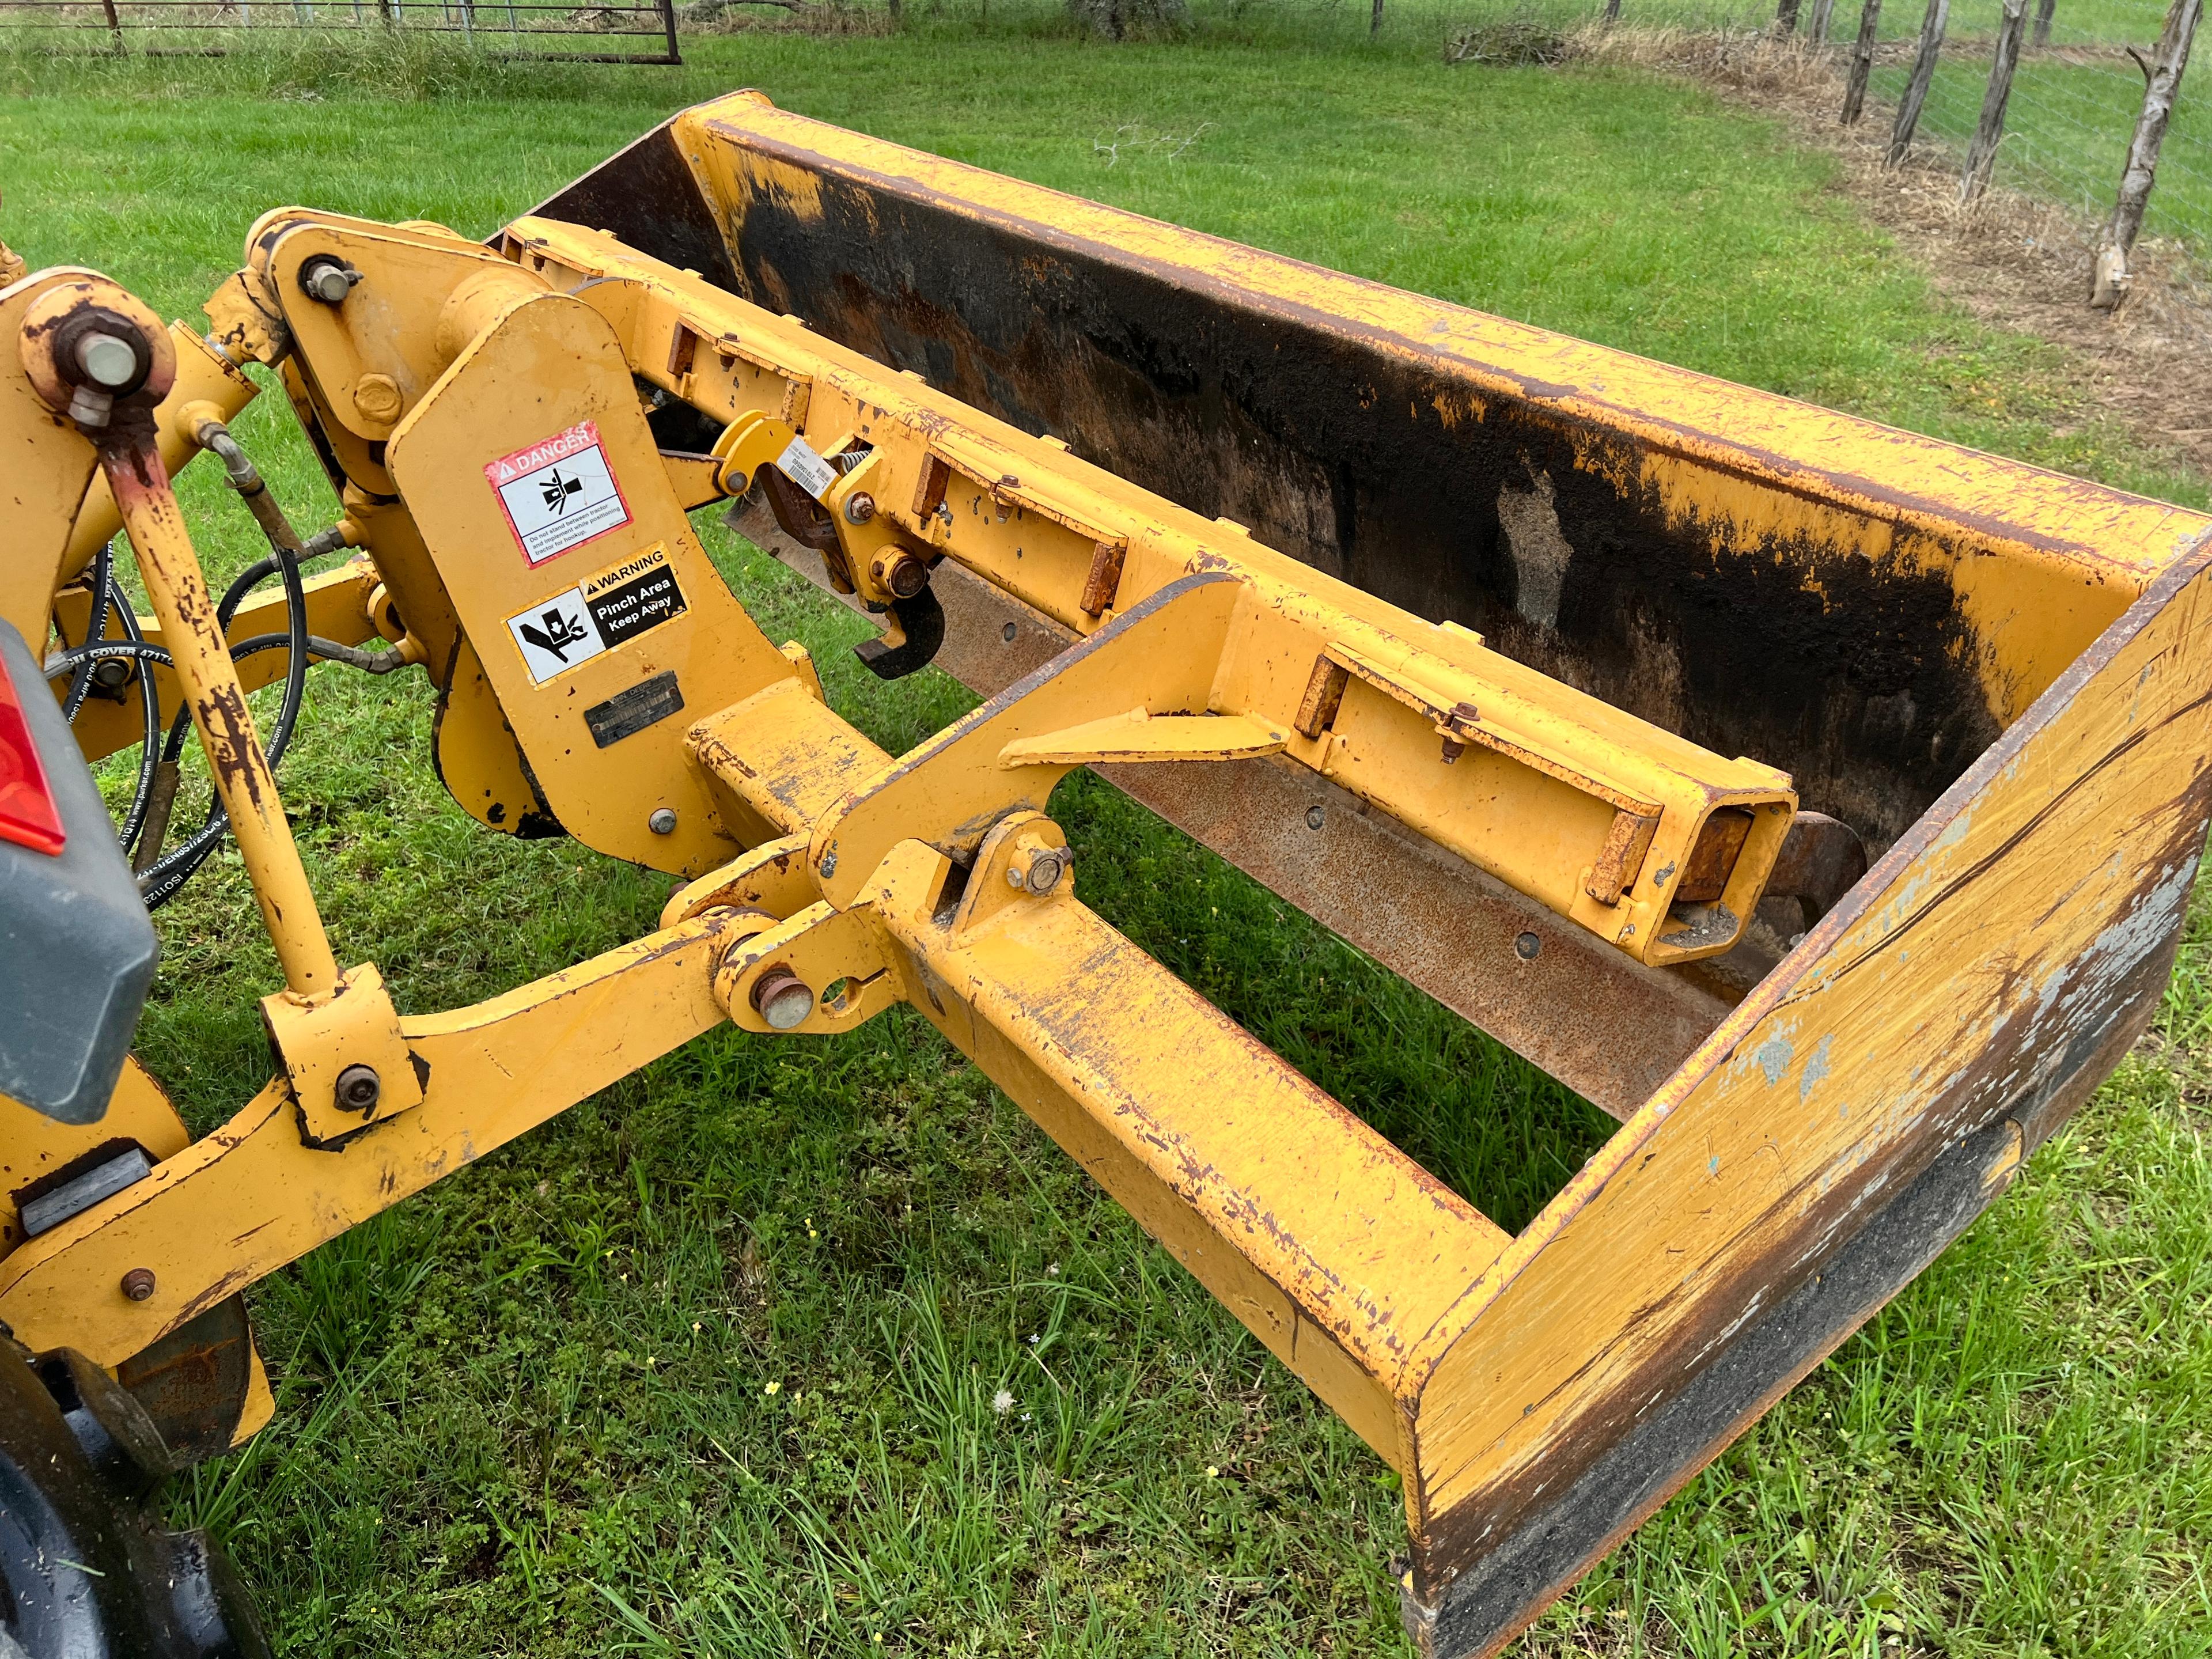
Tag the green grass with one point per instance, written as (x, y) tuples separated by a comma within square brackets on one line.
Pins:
[(529, 1413)]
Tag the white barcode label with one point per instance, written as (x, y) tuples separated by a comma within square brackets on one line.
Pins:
[(800, 463)]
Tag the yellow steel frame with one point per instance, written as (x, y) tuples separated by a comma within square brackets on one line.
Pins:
[(820, 865)]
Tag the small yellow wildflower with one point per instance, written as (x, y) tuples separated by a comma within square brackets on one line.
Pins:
[(771, 1388)]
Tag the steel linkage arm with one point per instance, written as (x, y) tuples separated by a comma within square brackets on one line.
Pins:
[(1653, 844)]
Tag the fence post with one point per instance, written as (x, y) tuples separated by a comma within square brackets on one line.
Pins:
[(1862, 63), (1375, 21), (1785, 17), (1824, 12), (1932, 25), (2108, 281), (2043, 11), (1612, 12), (1982, 153), (115, 25)]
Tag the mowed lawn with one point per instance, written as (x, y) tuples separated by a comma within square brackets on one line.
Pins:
[(714, 1364)]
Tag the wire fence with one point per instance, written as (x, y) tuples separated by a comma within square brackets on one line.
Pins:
[(2075, 100), (2074, 104), (2076, 95), (620, 32)]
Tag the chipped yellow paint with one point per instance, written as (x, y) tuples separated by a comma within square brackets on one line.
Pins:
[(2012, 539), (1512, 770), (50, 463), (1955, 989), (33, 1146), (496, 1070), (1988, 970)]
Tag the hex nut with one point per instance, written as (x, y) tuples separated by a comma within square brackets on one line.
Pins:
[(359, 1088), (1046, 870), (662, 822), (782, 999), (859, 507), (138, 1283), (377, 398)]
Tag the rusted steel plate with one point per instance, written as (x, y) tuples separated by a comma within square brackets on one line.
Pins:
[(193, 1381)]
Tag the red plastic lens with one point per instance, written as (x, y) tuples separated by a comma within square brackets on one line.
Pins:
[(27, 814)]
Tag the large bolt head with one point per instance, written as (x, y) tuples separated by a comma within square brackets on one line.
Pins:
[(378, 397), (138, 1283), (327, 280), (359, 1088), (108, 359), (904, 574), (85, 343), (662, 821), (782, 999), (1046, 870), (859, 507)]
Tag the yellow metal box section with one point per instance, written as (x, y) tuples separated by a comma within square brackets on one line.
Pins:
[(1522, 775)]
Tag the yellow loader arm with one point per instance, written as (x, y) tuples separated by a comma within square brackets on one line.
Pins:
[(1823, 1071)]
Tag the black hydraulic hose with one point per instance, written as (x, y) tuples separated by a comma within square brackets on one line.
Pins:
[(160, 877), (150, 743), (82, 659), (62, 662), (95, 627)]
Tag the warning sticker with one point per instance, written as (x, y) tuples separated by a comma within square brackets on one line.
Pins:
[(803, 465), (633, 596), (558, 492), (555, 636), (602, 611)]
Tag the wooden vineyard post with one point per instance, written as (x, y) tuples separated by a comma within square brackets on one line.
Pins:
[(1982, 153), (2108, 281), (1785, 17), (1824, 12), (1862, 63), (2044, 8), (1612, 12), (1932, 25)]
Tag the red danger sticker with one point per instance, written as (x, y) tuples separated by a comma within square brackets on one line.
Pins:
[(559, 492)]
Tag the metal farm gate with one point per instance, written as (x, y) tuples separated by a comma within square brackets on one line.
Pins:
[(615, 32)]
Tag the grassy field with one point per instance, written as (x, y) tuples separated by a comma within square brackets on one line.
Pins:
[(708, 1366)]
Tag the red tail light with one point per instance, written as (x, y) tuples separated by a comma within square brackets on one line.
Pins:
[(28, 816)]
